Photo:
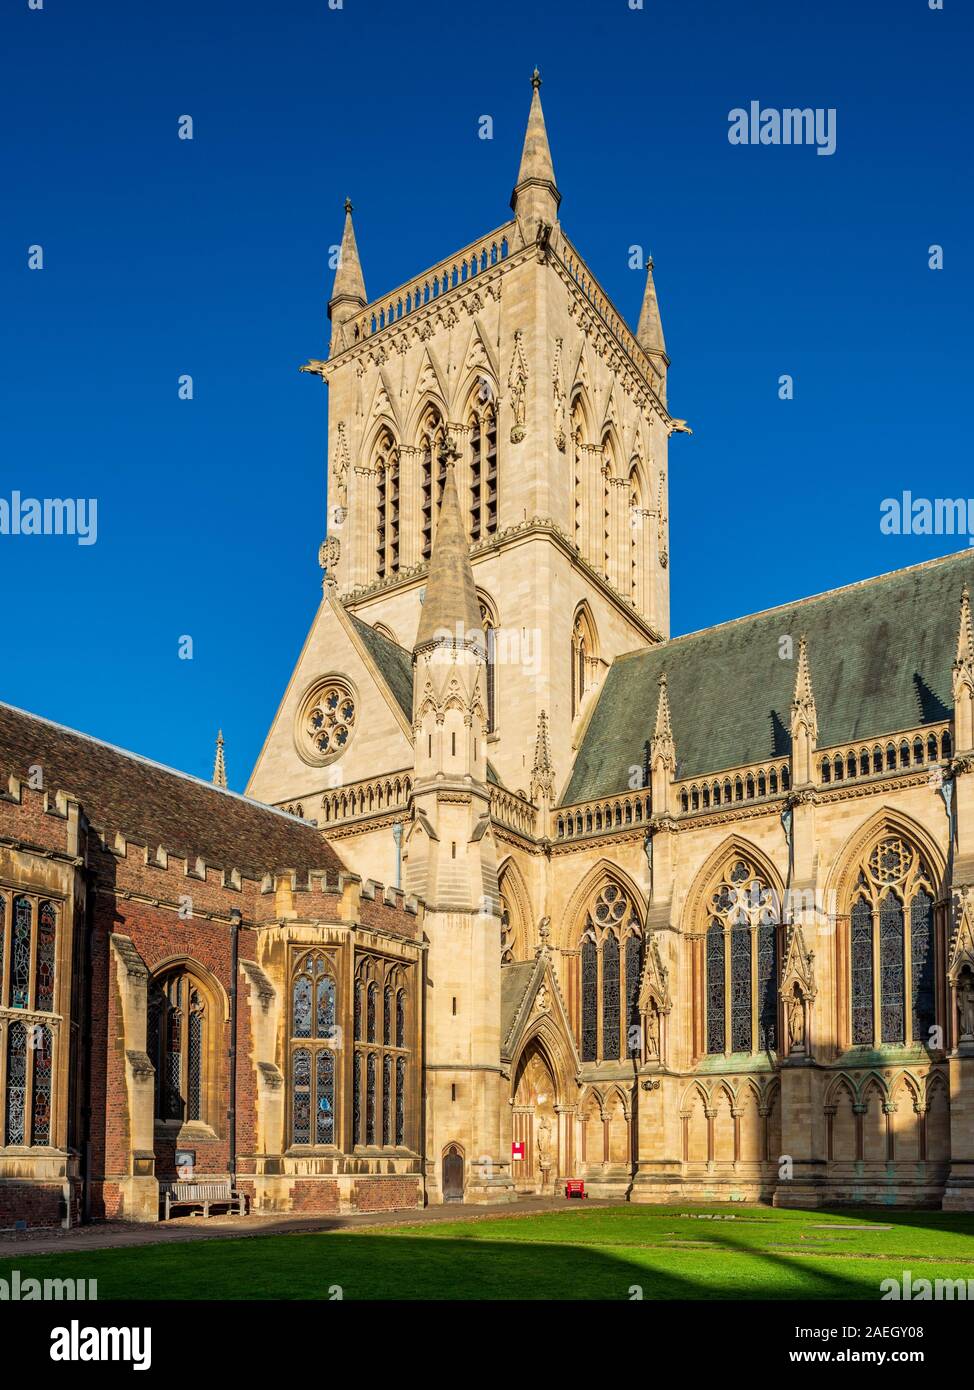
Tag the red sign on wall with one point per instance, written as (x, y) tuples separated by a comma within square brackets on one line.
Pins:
[(517, 1149)]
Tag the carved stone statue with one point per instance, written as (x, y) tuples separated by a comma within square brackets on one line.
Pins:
[(965, 1006), (796, 1023), (544, 1144), (652, 1032)]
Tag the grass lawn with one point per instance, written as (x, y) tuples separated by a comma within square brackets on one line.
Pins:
[(575, 1254)]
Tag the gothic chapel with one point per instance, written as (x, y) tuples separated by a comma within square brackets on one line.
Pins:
[(522, 888)]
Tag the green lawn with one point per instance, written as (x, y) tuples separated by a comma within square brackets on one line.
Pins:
[(577, 1253)]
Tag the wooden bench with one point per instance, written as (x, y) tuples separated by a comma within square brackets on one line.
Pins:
[(217, 1193)]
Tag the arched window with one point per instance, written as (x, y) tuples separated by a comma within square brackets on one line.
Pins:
[(489, 624), (380, 1073), (741, 961), (483, 468), (28, 940), (636, 537), (386, 467), (177, 1032), (583, 654), (611, 954), (578, 451), (315, 1037), (16, 1106), (432, 440), (23, 913), (891, 946)]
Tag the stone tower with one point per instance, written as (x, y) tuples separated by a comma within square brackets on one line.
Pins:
[(557, 410)]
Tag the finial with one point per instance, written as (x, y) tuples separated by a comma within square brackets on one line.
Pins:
[(536, 79), (348, 205), (219, 766)]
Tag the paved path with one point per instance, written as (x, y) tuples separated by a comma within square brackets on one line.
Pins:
[(114, 1235)]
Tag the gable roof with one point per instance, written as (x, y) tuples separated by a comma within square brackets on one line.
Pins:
[(149, 802), (880, 652), (516, 978), (394, 662)]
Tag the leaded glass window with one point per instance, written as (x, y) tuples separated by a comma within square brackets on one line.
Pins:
[(370, 1098), (387, 1099), (891, 984), (20, 954), (41, 1099), (46, 942), (16, 1083), (356, 1099), (768, 986), (610, 997), (302, 1006), (370, 1009), (892, 948), (325, 1096), (400, 1018), (862, 972), (634, 964), (3, 937), (400, 1099), (740, 986), (357, 1013), (922, 952), (387, 1016), (715, 986), (176, 1038), (590, 1001), (301, 1095)]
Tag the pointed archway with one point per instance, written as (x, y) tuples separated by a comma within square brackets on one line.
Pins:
[(536, 1122)]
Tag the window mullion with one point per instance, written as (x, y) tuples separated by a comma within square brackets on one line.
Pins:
[(877, 976)]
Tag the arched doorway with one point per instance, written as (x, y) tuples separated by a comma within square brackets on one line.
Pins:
[(536, 1123), (453, 1175)]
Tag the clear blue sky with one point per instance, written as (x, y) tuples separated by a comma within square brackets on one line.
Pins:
[(209, 257)]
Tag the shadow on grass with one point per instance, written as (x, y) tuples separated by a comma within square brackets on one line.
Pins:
[(368, 1266)]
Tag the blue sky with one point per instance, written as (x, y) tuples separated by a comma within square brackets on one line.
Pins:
[(209, 257)]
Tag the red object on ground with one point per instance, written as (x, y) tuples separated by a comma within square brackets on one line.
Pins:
[(575, 1187)]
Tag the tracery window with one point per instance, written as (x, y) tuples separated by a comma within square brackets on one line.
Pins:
[(489, 624), (386, 466), (892, 946), (177, 1036), (741, 962), (380, 1072), (583, 650), (483, 472), (611, 954), (315, 1037), (327, 721), (28, 948), (431, 444)]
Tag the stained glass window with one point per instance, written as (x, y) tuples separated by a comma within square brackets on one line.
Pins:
[(194, 1080), (610, 996), (301, 1095), (768, 986), (590, 999), (41, 1100), (302, 1006), (20, 955), (715, 986), (357, 1014), (325, 1005), (370, 1098), (634, 964), (46, 934), (740, 985), (400, 1018), (891, 982), (370, 1007), (16, 1083), (387, 1099), (400, 1099), (356, 1099), (862, 972), (387, 1015), (325, 1096), (921, 948)]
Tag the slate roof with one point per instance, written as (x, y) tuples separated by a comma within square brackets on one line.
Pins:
[(880, 652), (516, 976), (146, 801), (393, 661)]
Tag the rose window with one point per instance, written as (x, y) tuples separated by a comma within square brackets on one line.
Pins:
[(330, 720)]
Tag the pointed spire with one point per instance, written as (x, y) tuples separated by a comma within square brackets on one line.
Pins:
[(542, 769), (664, 727), (963, 682), (219, 766), (803, 702), (535, 198), (649, 334), (348, 291), (451, 606)]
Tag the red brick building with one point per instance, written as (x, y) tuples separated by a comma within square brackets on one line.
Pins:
[(185, 972)]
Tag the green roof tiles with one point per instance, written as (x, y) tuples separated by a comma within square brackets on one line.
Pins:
[(880, 651)]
